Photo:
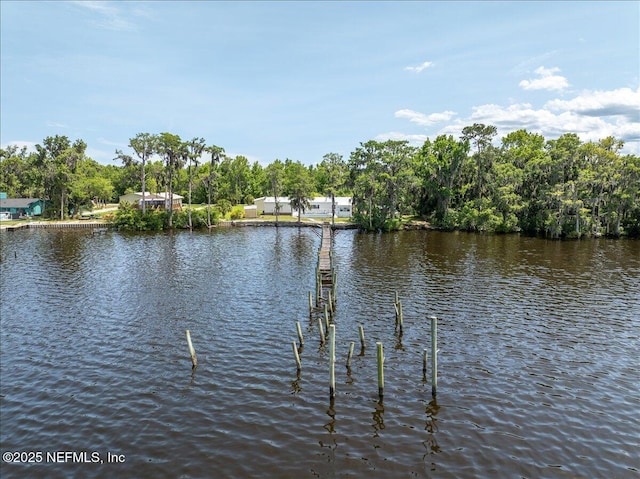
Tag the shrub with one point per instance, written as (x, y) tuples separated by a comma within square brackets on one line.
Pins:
[(237, 212)]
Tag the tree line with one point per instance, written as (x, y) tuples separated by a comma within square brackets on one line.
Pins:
[(557, 188)]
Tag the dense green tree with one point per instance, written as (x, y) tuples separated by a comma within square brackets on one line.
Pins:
[(57, 162), (14, 166), (234, 179), (438, 165), (330, 177), (274, 174), (90, 186), (216, 154), (298, 186), (560, 188), (144, 145), (171, 150), (481, 137), (382, 175), (193, 151), (257, 180)]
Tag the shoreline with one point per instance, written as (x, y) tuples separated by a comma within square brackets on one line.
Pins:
[(101, 224)]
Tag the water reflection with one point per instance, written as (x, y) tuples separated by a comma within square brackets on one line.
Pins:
[(331, 412), (295, 385), (431, 426), (378, 418)]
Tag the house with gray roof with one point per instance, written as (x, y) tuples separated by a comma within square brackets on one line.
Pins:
[(17, 208)]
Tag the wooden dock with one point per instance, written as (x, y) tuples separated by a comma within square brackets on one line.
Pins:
[(325, 271), (324, 255)]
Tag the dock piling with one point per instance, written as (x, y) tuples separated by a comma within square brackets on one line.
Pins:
[(380, 357), (192, 351), (296, 355), (332, 361), (299, 328), (351, 346), (434, 355)]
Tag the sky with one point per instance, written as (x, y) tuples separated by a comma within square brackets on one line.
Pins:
[(300, 79)]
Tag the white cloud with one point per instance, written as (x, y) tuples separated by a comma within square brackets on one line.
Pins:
[(109, 17), (398, 136), (621, 102), (592, 115), (419, 68), (102, 156), (425, 120), (55, 124), (547, 80), (550, 124), (106, 142), (29, 145)]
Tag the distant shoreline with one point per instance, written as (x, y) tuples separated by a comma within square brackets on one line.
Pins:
[(85, 224)]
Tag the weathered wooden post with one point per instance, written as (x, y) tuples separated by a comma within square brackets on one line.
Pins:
[(330, 303), (310, 304), (397, 313), (318, 286), (361, 329), (194, 359), (351, 346), (400, 317), (321, 331), (326, 317), (380, 370), (296, 355), (424, 364), (334, 287), (299, 328), (434, 355), (332, 361)]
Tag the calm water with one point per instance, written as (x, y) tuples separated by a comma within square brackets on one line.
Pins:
[(538, 366)]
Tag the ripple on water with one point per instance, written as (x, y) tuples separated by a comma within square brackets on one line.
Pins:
[(538, 371)]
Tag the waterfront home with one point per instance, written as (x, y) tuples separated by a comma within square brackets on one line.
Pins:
[(320, 207), (14, 208), (152, 200), (266, 205)]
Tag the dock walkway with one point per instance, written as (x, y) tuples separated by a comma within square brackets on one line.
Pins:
[(324, 255), (325, 271)]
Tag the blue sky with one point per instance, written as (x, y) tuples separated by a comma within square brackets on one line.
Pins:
[(298, 80)]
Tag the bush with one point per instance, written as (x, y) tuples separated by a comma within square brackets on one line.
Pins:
[(392, 224), (237, 212), (224, 206), (128, 218)]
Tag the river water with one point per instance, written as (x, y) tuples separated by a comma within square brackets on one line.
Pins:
[(539, 373)]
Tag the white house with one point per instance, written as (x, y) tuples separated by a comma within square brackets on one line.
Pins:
[(266, 205), (320, 207), (152, 200)]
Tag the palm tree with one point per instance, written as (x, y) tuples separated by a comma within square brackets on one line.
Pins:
[(275, 176), (144, 145), (194, 149), (171, 149), (216, 152)]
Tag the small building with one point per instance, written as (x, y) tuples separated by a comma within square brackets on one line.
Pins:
[(251, 211), (266, 205), (15, 208), (320, 207), (152, 200)]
